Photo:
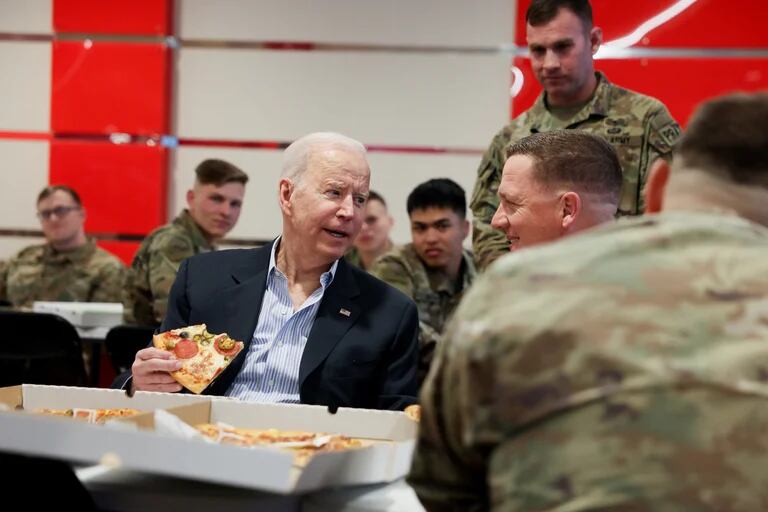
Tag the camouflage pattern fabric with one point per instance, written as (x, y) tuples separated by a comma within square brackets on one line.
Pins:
[(435, 295), (353, 258), (85, 274), (625, 369), (639, 127), (155, 265)]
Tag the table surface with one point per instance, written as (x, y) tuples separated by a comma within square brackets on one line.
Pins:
[(127, 491)]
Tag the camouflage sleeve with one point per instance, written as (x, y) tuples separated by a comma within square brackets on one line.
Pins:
[(487, 243), (391, 269), (429, 339), (111, 283), (164, 260), (663, 132), (445, 474)]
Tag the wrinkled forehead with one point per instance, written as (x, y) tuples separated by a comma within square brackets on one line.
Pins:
[(339, 163)]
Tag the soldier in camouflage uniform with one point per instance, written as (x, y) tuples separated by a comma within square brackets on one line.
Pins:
[(434, 270), (574, 97), (625, 368), (214, 205), (68, 267), (373, 240)]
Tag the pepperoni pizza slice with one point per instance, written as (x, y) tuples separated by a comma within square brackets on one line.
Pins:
[(204, 355)]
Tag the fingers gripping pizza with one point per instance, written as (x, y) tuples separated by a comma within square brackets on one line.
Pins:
[(203, 355)]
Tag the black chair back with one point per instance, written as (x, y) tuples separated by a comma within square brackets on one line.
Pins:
[(123, 341), (39, 348)]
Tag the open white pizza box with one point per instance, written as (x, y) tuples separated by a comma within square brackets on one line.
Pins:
[(389, 438), (134, 444)]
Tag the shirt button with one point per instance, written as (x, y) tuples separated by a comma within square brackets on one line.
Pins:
[(271, 383)]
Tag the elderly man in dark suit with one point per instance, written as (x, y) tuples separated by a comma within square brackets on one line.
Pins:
[(316, 329)]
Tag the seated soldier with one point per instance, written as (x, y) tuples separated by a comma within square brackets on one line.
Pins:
[(68, 267), (373, 240), (214, 204), (434, 270), (625, 368)]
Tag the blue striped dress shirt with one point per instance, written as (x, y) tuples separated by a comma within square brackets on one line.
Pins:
[(270, 372)]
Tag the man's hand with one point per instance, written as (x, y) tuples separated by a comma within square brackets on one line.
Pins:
[(151, 371)]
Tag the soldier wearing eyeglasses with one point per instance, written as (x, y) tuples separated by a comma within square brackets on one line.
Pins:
[(68, 266)]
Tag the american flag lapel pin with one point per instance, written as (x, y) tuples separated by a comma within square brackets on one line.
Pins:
[(344, 312)]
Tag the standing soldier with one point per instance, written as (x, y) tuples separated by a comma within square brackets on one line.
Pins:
[(214, 205), (68, 267), (562, 42)]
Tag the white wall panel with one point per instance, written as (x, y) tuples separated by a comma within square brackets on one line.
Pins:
[(23, 176), (11, 245), (26, 16), (453, 100), (387, 22), (393, 175), (25, 85)]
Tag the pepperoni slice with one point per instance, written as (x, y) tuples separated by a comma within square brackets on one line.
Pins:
[(185, 349)]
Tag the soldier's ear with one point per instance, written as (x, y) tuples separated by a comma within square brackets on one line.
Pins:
[(655, 186), (570, 204), (595, 39), (190, 197)]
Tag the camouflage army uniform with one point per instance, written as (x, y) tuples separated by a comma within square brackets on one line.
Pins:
[(155, 265), (624, 369), (435, 295), (85, 274), (353, 257), (639, 127)]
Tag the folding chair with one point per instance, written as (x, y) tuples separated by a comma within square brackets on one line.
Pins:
[(123, 341), (39, 348)]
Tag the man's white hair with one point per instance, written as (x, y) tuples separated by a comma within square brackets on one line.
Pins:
[(296, 156)]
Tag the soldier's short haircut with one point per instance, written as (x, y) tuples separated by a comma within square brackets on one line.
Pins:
[(728, 136), (438, 193), (218, 172), (541, 12), (574, 158), (49, 191), (296, 155), (375, 196)]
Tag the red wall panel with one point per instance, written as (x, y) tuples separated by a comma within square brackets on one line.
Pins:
[(123, 187), (137, 17), (701, 24), (694, 80), (100, 87)]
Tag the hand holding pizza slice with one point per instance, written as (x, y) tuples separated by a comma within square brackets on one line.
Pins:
[(203, 355)]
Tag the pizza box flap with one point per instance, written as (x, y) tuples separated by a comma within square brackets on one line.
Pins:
[(35, 396)]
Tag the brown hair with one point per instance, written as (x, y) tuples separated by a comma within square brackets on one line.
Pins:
[(49, 191), (218, 172), (541, 12), (728, 136), (580, 159)]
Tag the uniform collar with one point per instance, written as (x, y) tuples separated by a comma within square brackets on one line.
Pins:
[(598, 106), (77, 255), (188, 224)]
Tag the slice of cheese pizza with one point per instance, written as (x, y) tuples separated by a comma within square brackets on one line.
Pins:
[(204, 355)]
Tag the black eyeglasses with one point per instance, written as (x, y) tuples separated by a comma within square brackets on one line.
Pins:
[(59, 212)]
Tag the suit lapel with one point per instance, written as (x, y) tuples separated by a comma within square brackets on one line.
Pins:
[(335, 315)]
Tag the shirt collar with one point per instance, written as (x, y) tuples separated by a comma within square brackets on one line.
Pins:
[(325, 279), (76, 255)]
